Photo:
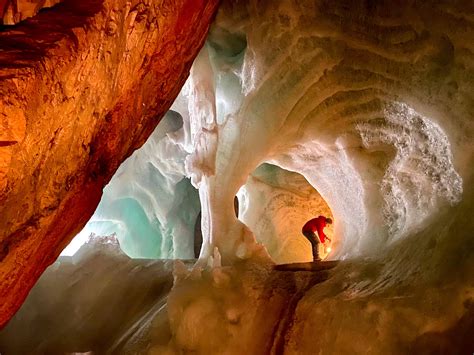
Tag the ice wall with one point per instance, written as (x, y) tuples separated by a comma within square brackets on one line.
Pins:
[(362, 108), (149, 204), (372, 103), (370, 110)]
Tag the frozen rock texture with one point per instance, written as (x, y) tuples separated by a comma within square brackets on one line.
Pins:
[(81, 86), (14, 11)]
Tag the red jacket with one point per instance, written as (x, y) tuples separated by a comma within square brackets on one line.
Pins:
[(316, 225)]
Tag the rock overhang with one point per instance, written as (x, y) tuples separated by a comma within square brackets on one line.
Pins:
[(82, 85)]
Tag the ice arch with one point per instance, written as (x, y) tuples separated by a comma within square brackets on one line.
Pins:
[(365, 118), (383, 176), (275, 204)]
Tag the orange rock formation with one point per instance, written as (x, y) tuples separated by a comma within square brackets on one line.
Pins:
[(14, 11), (82, 85)]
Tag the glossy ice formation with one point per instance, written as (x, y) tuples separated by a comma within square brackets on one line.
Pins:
[(149, 204), (365, 122)]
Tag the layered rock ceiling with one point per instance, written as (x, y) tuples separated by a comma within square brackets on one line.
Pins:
[(82, 85)]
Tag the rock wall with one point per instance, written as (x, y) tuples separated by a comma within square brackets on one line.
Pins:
[(14, 11), (81, 86)]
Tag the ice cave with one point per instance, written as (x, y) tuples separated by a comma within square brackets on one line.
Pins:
[(161, 161)]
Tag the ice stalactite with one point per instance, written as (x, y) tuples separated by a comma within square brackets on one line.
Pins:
[(209, 115)]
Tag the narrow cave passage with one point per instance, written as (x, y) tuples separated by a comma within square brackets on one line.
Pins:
[(275, 204)]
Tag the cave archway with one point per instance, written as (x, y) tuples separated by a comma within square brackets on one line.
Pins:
[(275, 204)]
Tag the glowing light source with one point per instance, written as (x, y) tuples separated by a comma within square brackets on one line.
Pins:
[(328, 249)]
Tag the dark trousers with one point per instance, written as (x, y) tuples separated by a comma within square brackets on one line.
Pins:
[(314, 240)]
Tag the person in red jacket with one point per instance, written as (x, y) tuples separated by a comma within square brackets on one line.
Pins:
[(316, 225)]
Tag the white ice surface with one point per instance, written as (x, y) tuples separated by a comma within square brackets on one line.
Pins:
[(381, 159)]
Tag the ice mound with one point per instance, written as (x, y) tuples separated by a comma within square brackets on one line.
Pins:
[(97, 300)]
